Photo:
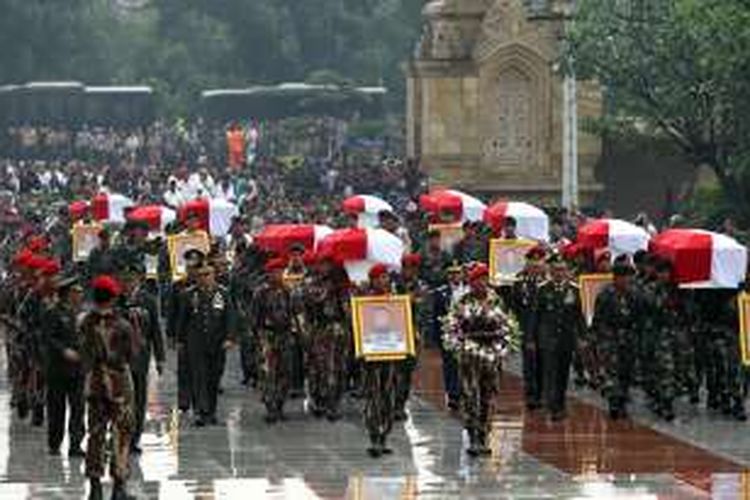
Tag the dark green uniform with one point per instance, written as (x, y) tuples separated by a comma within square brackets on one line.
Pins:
[(206, 323), (65, 379), (557, 328), (423, 305), (524, 302)]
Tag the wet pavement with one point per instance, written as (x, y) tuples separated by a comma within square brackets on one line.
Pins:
[(585, 457)]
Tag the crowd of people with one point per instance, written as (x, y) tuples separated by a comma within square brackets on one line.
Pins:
[(82, 335)]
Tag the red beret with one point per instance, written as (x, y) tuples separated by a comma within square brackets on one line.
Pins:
[(37, 244), (571, 250), (536, 253), (309, 258), (107, 283), (50, 267), (377, 271), (411, 259), (22, 258), (277, 264), (35, 262), (478, 271)]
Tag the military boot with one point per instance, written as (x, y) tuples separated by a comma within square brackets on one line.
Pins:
[(96, 490)]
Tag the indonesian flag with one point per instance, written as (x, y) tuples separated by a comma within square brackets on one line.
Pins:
[(531, 222), (702, 259), (460, 205), (215, 214), (77, 210), (156, 216), (366, 207), (360, 249), (110, 207), (619, 236), (278, 238)]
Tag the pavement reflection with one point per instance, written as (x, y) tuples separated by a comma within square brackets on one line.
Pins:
[(586, 457)]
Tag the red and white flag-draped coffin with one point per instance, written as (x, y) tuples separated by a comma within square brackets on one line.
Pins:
[(360, 249), (366, 207), (702, 259), (156, 216), (619, 236), (215, 215), (110, 207), (531, 222), (460, 205), (279, 238)]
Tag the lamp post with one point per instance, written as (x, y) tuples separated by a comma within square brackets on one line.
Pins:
[(565, 10)]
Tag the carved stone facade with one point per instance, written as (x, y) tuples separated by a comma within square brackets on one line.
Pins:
[(485, 102)]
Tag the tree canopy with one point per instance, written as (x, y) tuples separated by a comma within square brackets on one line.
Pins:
[(676, 68), (183, 46)]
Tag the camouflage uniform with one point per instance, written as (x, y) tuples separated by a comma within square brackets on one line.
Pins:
[(422, 314), (327, 330), (32, 354), (107, 346), (141, 310), (276, 326), (617, 316), (724, 372), (479, 375)]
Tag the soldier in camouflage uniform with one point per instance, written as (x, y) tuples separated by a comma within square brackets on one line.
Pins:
[(294, 279), (246, 277), (107, 346), (433, 263), (474, 246), (557, 329), (276, 324), (410, 284), (327, 327), (617, 315), (139, 306), (379, 379), (524, 297), (724, 372), (479, 330)]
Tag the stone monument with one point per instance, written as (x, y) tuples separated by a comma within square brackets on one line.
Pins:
[(485, 100)]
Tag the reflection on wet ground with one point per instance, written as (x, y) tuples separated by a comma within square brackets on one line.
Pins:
[(585, 457)]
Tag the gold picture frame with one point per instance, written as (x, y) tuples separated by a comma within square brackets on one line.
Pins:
[(450, 234), (743, 307), (591, 285), (178, 244), (85, 240), (507, 259), (392, 315)]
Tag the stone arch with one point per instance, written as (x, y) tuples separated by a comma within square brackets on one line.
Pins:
[(515, 108)]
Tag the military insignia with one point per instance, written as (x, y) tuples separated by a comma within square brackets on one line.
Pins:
[(218, 302)]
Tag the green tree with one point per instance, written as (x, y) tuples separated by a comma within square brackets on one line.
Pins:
[(679, 68)]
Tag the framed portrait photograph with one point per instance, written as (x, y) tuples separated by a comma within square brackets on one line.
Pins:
[(383, 328), (450, 234), (85, 240), (507, 259), (743, 306), (178, 244), (591, 285)]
